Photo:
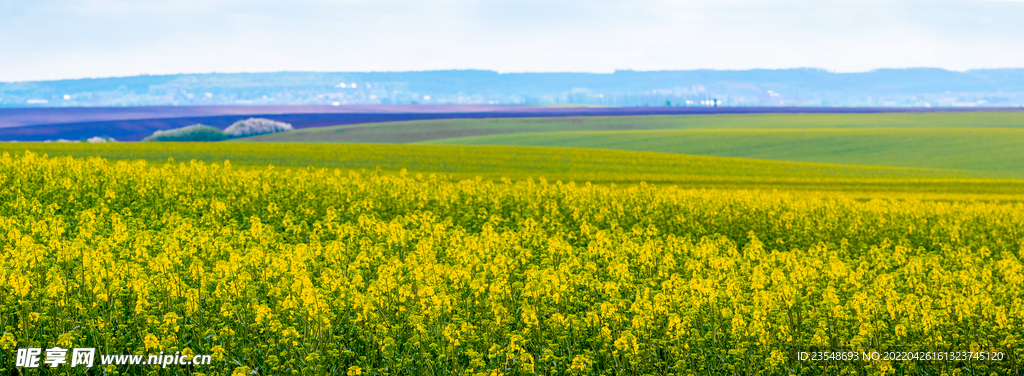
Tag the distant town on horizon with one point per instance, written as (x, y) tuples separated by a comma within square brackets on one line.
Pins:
[(914, 87)]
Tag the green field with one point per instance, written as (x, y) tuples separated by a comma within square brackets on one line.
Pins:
[(597, 166), (996, 152), (509, 161), (987, 143), (426, 130), (931, 153)]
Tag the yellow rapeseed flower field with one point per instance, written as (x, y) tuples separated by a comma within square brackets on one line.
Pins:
[(330, 272)]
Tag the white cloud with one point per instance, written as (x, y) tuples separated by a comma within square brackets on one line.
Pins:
[(88, 38)]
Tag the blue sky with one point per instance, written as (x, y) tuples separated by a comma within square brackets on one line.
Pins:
[(55, 39)]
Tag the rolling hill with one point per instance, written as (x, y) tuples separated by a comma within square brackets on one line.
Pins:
[(984, 142), (992, 151), (427, 130)]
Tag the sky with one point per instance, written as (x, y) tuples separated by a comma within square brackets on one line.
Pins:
[(61, 39)]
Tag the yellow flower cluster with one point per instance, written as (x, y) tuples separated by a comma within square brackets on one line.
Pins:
[(320, 271)]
